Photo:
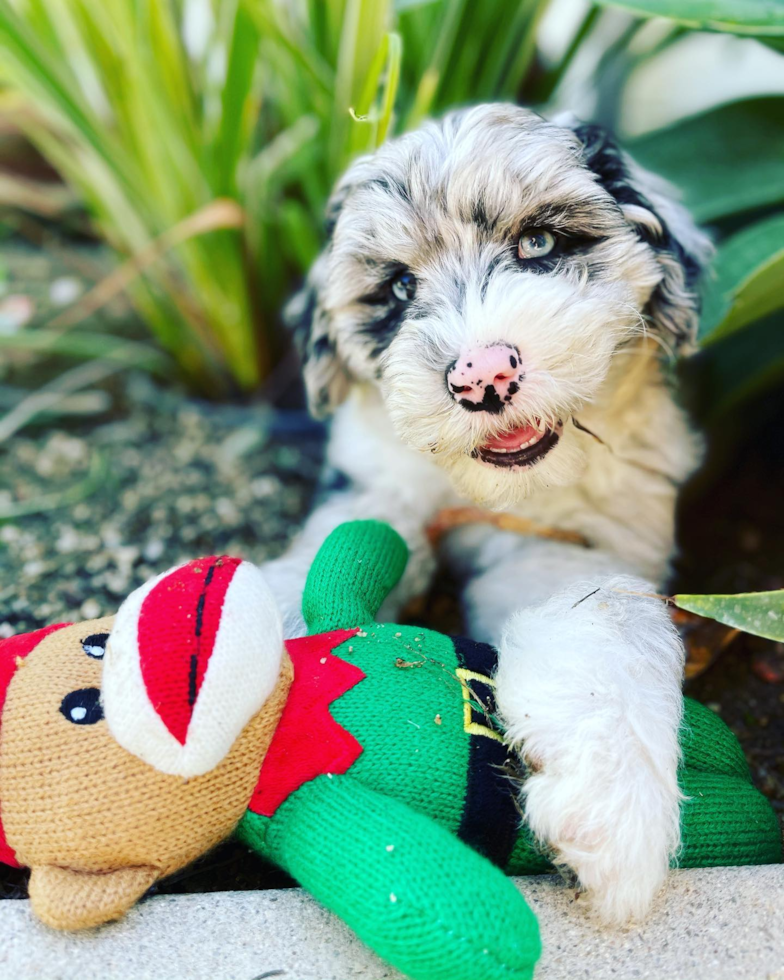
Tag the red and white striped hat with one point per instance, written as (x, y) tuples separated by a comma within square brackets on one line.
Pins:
[(192, 656)]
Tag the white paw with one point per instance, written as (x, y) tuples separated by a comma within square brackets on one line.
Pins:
[(590, 691)]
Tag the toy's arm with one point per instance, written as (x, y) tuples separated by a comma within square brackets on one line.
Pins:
[(418, 896), (354, 571)]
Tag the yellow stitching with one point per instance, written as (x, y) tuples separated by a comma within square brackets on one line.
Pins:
[(470, 726), (472, 675)]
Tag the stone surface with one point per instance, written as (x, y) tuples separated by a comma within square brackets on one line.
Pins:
[(712, 924)]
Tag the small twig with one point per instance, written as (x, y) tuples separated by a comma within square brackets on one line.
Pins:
[(669, 599), (452, 517)]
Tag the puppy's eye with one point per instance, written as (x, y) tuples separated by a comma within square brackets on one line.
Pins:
[(82, 707), (535, 243), (404, 287)]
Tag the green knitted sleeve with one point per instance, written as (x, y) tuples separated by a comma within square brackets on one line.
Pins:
[(419, 897), (353, 572)]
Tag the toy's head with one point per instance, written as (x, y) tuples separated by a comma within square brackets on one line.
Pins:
[(122, 761)]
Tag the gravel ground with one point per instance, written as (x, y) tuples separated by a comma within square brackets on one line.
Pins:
[(177, 479)]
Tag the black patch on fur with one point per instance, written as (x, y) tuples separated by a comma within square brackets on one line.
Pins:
[(605, 158), (497, 261), (392, 186), (382, 329), (479, 216), (323, 345), (490, 818), (300, 325)]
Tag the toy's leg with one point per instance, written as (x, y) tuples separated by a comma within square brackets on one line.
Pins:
[(589, 688), (724, 819), (417, 895)]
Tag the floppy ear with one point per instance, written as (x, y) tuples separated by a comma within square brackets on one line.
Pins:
[(327, 380), (650, 206)]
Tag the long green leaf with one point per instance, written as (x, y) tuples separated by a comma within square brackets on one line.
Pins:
[(734, 16), (747, 281), (726, 161), (761, 613)]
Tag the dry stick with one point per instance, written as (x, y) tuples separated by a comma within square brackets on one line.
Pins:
[(221, 213), (452, 517)]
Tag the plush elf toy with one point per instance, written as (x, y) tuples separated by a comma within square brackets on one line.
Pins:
[(365, 759)]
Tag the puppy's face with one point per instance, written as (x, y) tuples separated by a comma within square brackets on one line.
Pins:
[(483, 272)]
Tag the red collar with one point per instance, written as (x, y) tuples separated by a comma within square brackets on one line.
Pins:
[(308, 742)]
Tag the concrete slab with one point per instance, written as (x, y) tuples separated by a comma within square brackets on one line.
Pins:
[(712, 924)]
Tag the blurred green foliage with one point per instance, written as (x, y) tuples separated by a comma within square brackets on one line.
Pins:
[(154, 110)]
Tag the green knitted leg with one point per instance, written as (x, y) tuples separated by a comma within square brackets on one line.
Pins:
[(707, 743), (417, 895), (355, 569), (726, 821)]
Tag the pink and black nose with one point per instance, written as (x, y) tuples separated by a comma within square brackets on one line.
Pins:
[(486, 379)]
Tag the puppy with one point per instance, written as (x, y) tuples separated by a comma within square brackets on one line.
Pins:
[(489, 322)]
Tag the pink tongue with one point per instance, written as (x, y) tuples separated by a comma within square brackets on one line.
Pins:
[(513, 439)]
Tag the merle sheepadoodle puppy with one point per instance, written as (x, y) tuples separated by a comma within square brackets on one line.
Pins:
[(490, 322)]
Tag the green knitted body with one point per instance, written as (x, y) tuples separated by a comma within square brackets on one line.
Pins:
[(432, 769)]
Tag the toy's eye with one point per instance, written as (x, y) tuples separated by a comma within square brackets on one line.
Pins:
[(82, 707), (404, 287), (95, 645), (535, 243)]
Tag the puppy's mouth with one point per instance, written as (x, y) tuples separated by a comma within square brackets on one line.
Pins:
[(523, 446)]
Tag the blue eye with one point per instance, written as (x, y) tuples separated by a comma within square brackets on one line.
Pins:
[(404, 287), (535, 243)]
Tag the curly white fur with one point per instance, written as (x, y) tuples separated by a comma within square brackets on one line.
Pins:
[(589, 688)]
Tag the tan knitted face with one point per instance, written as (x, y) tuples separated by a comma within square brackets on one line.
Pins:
[(73, 799)]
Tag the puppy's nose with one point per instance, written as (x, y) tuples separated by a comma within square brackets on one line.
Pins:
[(485, 379)]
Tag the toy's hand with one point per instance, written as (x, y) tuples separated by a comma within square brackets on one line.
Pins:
[(418, 896), (356, 568)]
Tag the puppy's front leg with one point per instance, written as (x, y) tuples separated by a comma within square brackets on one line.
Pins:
[(589, 686)]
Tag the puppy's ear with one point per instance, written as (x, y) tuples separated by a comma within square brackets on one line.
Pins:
[(650, 206), (327, 380)]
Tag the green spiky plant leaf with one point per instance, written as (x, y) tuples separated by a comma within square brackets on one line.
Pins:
[(761, 613)]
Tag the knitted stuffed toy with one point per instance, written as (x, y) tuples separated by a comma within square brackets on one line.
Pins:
[(365, 759)]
